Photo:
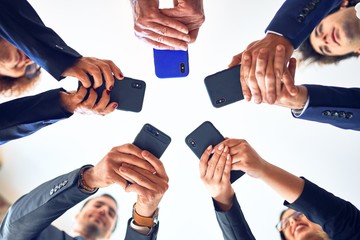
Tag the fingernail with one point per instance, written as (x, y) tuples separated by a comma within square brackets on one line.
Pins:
[(221, 146), (226, 149), (213, 151), (228, 157), (108, 92), (111, 88), (115, 105)]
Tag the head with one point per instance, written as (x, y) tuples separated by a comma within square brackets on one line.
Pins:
[(335, 38), (295, 226), (97, 218), (17, 72)]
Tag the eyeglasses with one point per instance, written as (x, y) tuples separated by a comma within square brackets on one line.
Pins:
[(285, 222), (31, 71)]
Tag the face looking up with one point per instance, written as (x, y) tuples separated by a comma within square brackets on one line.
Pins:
[(295, 226), (337, 34), (98, 217), (13, 62)]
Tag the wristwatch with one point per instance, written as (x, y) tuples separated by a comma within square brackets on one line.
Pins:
[(145, 221)]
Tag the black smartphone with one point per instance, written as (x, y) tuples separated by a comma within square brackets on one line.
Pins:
[(152, 139), (128, 93), (224, 87), (202, 137), (171, 63)]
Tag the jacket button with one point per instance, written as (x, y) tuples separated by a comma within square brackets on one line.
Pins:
[(300, 18), (326, 113), (51, 192), (335, 114), (305, 11), (348, 115), (342, 114)]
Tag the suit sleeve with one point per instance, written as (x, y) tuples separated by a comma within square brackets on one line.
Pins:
[(233, 223), (296, 19), (337, 106), (132, 234), (21, 26), (35, 211), (24, 116), (339, 218)]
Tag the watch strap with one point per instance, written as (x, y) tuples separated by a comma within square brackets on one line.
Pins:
[(145, 221)]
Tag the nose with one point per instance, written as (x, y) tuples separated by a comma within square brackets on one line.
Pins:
[(325, 39), (102, 211)]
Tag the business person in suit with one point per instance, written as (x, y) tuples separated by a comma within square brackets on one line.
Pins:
[(313, 212), (30, 217), (335, 38), (168, 28), (261, 73), (28, 41)]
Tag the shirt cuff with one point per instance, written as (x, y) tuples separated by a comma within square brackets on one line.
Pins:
[(140, 229), (273, 32), (299, 112)]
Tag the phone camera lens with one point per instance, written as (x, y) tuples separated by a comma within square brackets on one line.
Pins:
[(192, 143), (220, 101), (182, 67), (137, 85)]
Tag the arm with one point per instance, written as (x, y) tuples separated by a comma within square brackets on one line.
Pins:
[(339, 218), (35, 211), (157, 29), (215, 174), (24, 116), (22, 27)]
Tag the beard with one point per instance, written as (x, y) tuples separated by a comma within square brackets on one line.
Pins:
[(351, 29), (92, 230)]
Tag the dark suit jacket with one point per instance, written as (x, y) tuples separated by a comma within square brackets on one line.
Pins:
[(24, 116), (297, 18), (333, 105), (233, 223), (22, 26), (338, 218), (30, 216)]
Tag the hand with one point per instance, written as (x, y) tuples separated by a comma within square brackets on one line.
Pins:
[(261, 71), (107, 171), (284, 98), (215, 174), (96, 68), (190, 13), (156, 29), (245, 158), (150, 186), (73, 102)]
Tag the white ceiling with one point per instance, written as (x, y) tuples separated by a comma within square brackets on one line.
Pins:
[(324, 154)]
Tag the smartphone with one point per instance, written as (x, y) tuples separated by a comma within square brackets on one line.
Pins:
[(171, 63), (224, 87), (203, 136), (128, 93), (152, 139)]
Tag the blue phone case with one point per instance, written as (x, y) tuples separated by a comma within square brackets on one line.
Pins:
[(202, 137), (128, 93), (152, 139), (171, 63), (224, 87)]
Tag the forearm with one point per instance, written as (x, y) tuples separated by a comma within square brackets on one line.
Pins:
[(21, 26), (284, 183)]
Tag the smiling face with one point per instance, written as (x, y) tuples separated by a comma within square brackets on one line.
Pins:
[(97, 218), (13, 62), (298, 227), (337, 34)]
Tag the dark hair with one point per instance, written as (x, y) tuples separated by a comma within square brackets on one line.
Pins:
[(309, 55), (282, 235), (103, 195)]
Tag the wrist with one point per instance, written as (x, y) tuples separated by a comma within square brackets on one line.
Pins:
[(84, 180), (225, 202), (145, 221)]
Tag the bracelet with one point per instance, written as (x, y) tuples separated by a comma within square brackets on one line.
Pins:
[(82, 183)]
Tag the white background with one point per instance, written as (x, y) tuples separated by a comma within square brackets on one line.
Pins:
[(327, 155)]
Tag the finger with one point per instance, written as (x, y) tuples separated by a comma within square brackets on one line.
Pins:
[(260, 72), (79, 95), (219, 171), (244, 75), (279, 64), (217, 151), (107, 75), (270, 81), (83, 78), (169, 20), (204, 161), (103, 102), (227, 169), (95, 72), (290, 82), (236, 60), (90, 102), (193, 35), (252, 81), (156, 163), (115, 69)]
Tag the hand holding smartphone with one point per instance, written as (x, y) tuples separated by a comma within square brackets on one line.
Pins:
[(171, 63), (152, 139), (224, 87), (202, 137), (128, 93)]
